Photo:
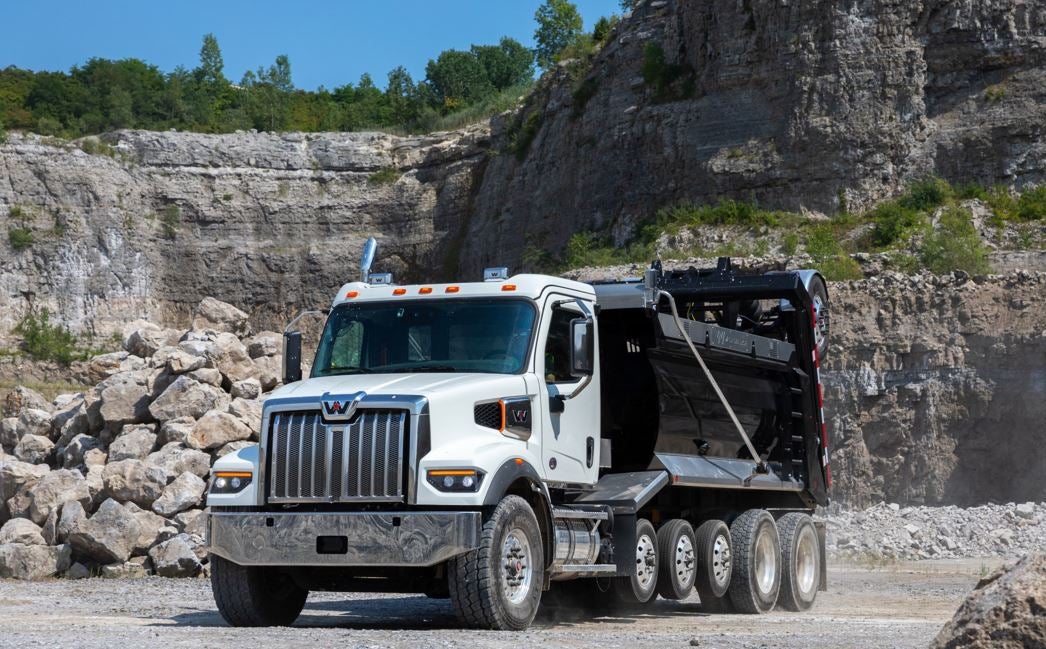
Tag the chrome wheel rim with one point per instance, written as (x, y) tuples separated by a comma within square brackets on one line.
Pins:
[(515, 563), (684, 558), (721, 561), (765, 562), (806, 560), (646, 562), (820, 320)]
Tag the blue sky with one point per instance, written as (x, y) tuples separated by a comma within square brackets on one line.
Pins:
[(329, 43)]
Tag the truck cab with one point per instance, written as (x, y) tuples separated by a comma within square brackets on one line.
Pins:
[(486, 440)]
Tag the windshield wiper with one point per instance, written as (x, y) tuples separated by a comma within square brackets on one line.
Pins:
[(431, 368), (347, 370)]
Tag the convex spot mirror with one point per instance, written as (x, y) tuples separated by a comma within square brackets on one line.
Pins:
[(582, 352)]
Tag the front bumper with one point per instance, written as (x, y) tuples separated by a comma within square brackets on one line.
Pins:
[(348, 539)]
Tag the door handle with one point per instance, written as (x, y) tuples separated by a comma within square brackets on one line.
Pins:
[(590, 451)]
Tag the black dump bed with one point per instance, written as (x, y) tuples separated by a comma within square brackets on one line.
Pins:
[(755, 332)]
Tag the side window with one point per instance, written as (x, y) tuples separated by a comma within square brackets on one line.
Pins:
[(347, 348), (557, 347)]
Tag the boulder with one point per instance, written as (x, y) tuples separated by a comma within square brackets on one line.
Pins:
[(134, 481), (73, 455), (95, 457), (9, 433), (249, 412), (220, 316), (176, 430), (269, 371), (150, 525), (72, 513), (135, 442), (126, 570), (175, 460), (33, 421), (179, 361), (265, 343), (216, 429), (32, 562), (1006, 609), (14, 475), (102, 367), (193, 521), (125, 399), (184, 493), (246, 389), (18, 505), (143, 338), (96, 484), (175, 558), (21, 530), (34, 449), (55, 489), (187, 397), (208, 376), (232, 359), (109, 536), (232, 447), (77, 571), (21, 397)]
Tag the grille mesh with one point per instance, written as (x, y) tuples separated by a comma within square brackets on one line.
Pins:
[(358, 460), (488, 414)]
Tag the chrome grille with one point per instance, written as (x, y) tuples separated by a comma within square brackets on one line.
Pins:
[(361, 460)]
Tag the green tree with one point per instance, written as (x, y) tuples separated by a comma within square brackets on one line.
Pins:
[(507, 64), (457, 78), (401, 96), (559, 25), (211, 63)]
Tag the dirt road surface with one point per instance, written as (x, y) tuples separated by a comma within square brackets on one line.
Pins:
[(901, 605)]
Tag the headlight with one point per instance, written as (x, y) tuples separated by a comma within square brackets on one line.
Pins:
[(461, 480), (230, 482)]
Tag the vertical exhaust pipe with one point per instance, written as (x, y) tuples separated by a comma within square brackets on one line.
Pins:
[(369, 249)]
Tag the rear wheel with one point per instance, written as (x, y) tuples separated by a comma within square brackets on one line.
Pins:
[(714, 561), (756, 581), (800, 560), (255, 595), (819, 295), (678, 569), (641, 586), (498, 585)]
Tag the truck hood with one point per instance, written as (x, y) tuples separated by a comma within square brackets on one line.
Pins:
[(428, 385)]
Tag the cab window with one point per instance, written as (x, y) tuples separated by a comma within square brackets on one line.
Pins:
[(557, 347)]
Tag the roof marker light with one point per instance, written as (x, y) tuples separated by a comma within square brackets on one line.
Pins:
[(508, 287), (399, 291), (352, 294), (425, 290), (453, 289)]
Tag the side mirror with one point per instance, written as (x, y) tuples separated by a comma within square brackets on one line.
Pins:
[(291, 356), (582, 354)]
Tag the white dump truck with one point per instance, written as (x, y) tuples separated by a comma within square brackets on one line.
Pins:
[(500, 440)]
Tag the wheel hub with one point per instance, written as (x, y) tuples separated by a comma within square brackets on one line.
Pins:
[(721, 561), (515, 557), (765, 563), (806, 560), (646, 561), (685, 564)]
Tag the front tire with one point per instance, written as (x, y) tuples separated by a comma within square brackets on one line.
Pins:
[(801, 561), (498, 585), (756, 581), (250, 596)]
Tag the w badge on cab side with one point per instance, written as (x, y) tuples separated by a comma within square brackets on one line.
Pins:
[(340, 408)]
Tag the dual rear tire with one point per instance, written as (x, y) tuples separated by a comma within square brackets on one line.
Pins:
[(776, 563)]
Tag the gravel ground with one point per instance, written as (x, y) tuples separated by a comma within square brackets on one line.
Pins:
[(902, 605)]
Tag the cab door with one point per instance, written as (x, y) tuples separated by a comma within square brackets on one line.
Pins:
[(570, 406)]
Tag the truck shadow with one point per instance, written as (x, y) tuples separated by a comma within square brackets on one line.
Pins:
[(424, 614)]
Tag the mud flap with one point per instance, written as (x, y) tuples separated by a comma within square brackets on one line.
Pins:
[(822, 542)]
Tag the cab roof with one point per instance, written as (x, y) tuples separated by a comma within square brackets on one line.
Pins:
[(524, 285)]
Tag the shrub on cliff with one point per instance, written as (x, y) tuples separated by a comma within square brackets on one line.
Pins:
[(46, 341), (955, 245)]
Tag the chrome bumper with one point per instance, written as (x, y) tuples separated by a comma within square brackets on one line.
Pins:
[(346, 539)]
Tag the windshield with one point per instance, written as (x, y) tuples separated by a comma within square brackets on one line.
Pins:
[(444, 335)]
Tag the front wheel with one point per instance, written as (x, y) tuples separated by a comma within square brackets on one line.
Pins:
[(255, 595), (498, 585)]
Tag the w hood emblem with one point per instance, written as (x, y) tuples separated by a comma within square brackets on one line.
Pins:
[(340, 408)]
